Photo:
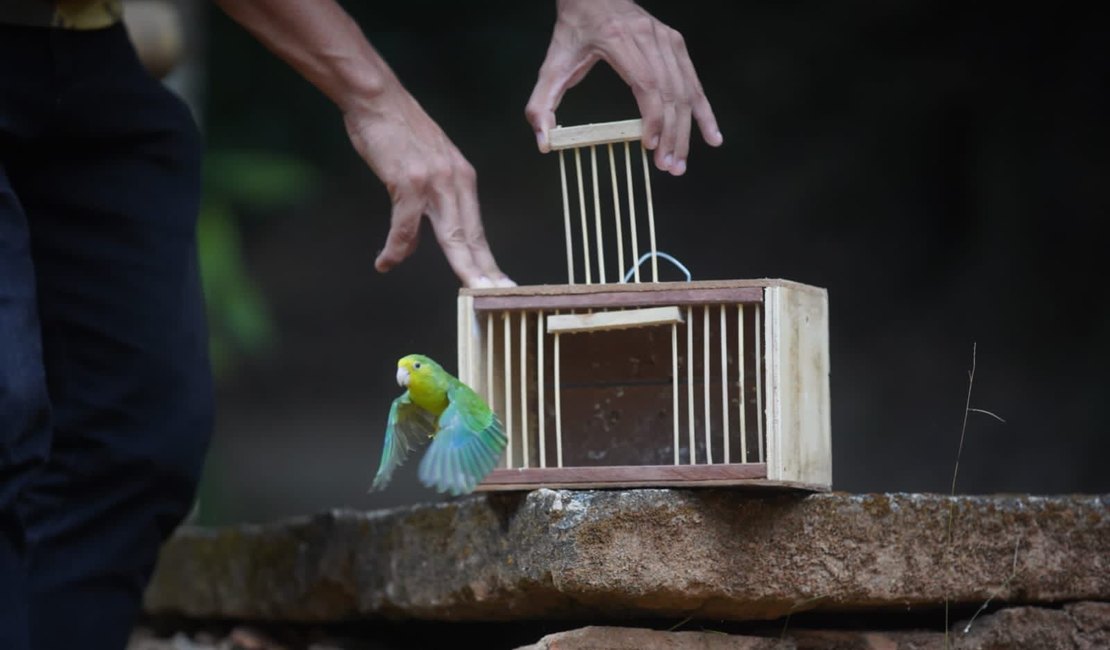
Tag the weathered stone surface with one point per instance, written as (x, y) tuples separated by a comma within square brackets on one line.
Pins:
[(1075, 626), (719, 554), (626, 638)]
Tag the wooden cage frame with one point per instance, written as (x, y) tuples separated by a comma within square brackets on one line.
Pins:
[(782, 406), (792, 391)]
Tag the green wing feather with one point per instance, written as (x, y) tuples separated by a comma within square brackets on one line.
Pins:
[(408, 426), (467, 446)]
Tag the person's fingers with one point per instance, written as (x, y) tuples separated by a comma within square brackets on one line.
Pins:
[(647, 42), (540, 110), (675, 158), (561, 70), (404, 232), (707, 122), (629, 62), (681, 139), (450, 233), (702, 111), (471, 220)]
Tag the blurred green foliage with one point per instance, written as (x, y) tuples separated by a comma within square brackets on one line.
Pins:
[(241, 185)]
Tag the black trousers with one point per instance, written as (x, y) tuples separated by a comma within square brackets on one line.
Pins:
[(105, 390)]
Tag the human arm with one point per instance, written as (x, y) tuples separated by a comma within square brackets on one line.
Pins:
[(648, 55), (422, 169)]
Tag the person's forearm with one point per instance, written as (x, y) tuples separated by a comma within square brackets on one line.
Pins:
[(425, 174), (321, 42)]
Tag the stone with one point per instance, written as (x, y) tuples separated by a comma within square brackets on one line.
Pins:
[(1075, 626), (625, 638), (705, 553), (1081, 625), (143, 639)]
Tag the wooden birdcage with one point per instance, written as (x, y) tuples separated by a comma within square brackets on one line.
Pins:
[(633, 383)]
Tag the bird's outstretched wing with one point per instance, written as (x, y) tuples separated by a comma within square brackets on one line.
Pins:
[(408, 426), (467, 447)]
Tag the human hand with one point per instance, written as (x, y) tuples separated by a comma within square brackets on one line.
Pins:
[(650, 57), (425, 175)]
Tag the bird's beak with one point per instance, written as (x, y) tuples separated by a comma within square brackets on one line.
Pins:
[(403, 377)]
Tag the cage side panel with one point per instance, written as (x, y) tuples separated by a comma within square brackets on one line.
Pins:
[(797, 401)]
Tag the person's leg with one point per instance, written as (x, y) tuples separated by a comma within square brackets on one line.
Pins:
[(24, 409), (24, 405), (111, 195)]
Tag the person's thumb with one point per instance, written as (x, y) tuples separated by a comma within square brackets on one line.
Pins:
[(540, 111)]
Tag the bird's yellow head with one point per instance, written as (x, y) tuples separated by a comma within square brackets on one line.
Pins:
[(425, 381), (415, 369)]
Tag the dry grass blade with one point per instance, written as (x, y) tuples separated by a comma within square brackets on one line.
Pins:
[(955, 473)]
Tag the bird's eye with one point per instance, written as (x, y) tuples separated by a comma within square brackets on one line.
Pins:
[(416, 366)]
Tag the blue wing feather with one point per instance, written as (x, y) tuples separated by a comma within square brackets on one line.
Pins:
[(462, 454)]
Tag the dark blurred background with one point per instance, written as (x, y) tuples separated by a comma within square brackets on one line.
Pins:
[(938, 167)]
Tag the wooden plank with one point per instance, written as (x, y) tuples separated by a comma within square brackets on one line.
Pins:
[(755, 484), (614, 320), (621, 297), (584, 135), (625, 475), (470, 341)]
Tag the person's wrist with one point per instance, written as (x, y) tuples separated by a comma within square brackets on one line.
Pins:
[(368, 93)]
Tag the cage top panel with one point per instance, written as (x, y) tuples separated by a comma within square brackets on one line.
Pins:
[(585, 135), (628, 294), (571, 289)]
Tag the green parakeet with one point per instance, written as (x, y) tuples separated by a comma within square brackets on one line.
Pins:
[(467, 436)]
